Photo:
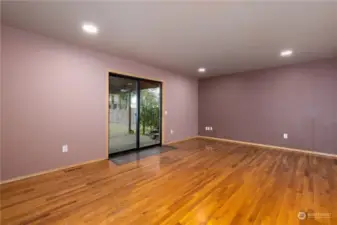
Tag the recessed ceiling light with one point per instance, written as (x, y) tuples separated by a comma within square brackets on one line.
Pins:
[(90, 28), (286, 53), (202, 70)]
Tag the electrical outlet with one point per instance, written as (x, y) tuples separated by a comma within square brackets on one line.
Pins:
[(171, 131), (165, 112), (211, 128), (64, 148), (285, 136), (206, 128)]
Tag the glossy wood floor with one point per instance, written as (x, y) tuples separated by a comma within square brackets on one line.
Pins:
[(203, 182)]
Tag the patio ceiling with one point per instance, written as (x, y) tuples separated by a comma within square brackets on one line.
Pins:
[(117, 84)]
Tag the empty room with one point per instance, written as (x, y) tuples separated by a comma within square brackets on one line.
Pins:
[(168, 112)]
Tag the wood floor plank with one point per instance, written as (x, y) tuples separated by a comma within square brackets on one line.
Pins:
[(202, 182)]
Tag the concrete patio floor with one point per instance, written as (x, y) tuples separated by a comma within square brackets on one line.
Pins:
[(128, 141)]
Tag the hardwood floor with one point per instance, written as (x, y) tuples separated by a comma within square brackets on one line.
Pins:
[(202, 182)]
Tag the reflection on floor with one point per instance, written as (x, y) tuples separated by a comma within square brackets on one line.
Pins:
[(131, 156), (202, 182)]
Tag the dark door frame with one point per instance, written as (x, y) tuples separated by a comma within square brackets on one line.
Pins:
[(138, 79)]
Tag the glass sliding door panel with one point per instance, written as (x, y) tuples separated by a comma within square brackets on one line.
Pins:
[(150, 113), (122, 114)]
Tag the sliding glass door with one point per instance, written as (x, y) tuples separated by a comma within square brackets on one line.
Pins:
[(150, 118), (135, 108), (122, 114)]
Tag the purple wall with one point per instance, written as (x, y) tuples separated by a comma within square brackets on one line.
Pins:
[(54, 93), (0, 107), (260, 106)]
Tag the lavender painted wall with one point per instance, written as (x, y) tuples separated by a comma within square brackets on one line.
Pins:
[(54, 94), (0, 108), (260, 106)]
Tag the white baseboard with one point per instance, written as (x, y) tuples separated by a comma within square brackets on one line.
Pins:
[(271, 147), (185, 139), (47, 171)]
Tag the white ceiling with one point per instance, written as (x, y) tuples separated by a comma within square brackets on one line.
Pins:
[(224, 37)]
